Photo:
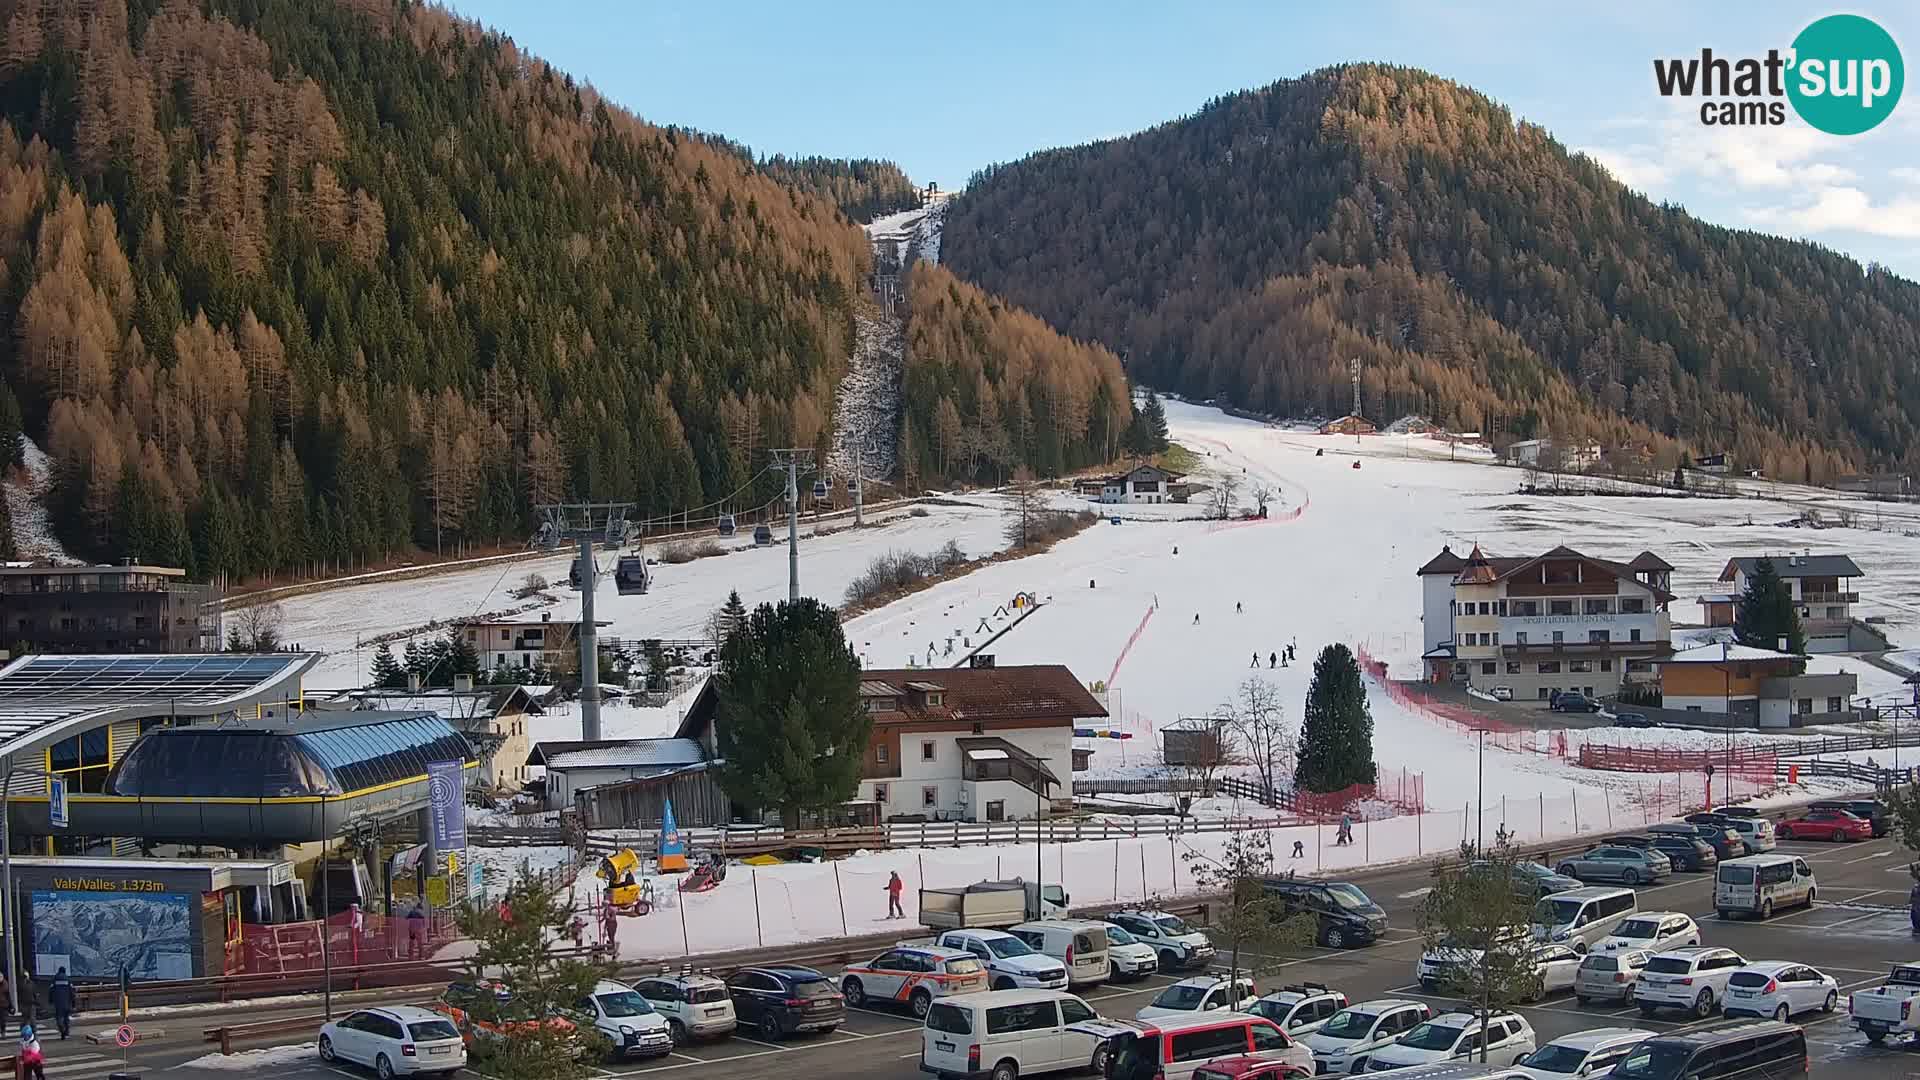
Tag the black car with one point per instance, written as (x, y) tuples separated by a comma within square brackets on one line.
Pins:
[(1632, 720), (1869, 809), (779, 1000), (1633, 840), (1737, 812), (1573, 701), (1726, 843), (1686, 852), (1347, 916), (1531, 879)]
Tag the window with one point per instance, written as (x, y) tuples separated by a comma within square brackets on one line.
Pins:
[(950, 1019), (879, 793), (1599, 607), (1560, 607), (882, 753), (1500, 608), (1544, 694), (997, 810), (1580, 665), (1526, 608), (1559, 636), (1606, 664), (1633, 635), (1633, 605), (1513, 667), (505, 634), (1496, 637), (1599, 637), (1210, 1043), (935, 699), (926, 750), (1833, 704), (1520, 637), (1638, 667), (1269, 1039), (1693, 708), (1803, 706), (1488, 667), (1074, 1011), (1486, 639), (1033, 1016), (929, 796), (1549, 667)]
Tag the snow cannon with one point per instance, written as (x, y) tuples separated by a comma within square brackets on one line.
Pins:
[(618, 870)]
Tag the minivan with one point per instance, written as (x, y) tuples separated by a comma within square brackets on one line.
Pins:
[(1080, 944), (1581, 917), (1011, 1033), (1181, 1045), (1750, 1050), (1757, 884)]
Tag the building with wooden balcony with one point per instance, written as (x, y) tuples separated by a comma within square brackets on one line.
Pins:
[(1537, 624), (525, 641), (1756, 687), (1822, 590), (125, 609)]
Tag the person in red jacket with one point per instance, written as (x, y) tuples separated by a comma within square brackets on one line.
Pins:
[(894, 888)]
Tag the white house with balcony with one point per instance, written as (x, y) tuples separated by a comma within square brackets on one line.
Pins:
[(1142, 484), (1538, 624), (524, 641), (1822, 590)]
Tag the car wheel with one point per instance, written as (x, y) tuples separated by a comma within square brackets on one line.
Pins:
[(1566, 870), (1334, 938), (383, 1068), (1766, 909), (1113, 971), (855, 993), (679, 1032), (1098, 1066), (1169, 960), (1006, 1070), (326, 1048), (1722, 913), (1703, 1005), (1833, 998), (1647, 1010), (920, 1003), (1875, 1038), (1581, 999), (1003, 983), (770, 1028), (1580, 948), (1629, 876), (1781, 1012)]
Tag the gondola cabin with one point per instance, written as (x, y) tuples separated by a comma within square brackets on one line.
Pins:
[(762, 536), (573, 574), (631, 576), (820, 489), (726, 525)]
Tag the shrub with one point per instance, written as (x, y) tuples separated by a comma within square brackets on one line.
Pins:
[(685, 551), (918, 511), (897, 570)]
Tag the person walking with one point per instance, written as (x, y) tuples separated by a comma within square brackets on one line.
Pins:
[(61, 997), (1256, 659), (416, 931), (1236, 607), (894, 887), (1273, 659), (1346, 829), (33, 1061), (1299, 849), (1196, 618)]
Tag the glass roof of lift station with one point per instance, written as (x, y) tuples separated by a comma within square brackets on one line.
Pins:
[(48, 697), (318, 753)]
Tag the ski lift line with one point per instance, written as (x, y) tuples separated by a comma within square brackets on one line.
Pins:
[(684, 514)]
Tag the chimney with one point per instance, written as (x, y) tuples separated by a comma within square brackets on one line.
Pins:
[(462, 683), (413, 682), (546, 616)]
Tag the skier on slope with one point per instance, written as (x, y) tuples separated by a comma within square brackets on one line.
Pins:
[(1256, 659), (1272, 659)]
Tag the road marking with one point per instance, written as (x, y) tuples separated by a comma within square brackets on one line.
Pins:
[(1855, 919), (756, 1042), (690, 1057), (1414, 894), (915, 1054), (849, 1034), (1864, 858)]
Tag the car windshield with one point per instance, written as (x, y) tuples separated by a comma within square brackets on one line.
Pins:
[(1637, 928), (1556, 1058), (1749, 978), (1350, 897), (1555, 912), (1431, 1036), (432, 1031), (1117, 936), (1008, 947), (1179, 996), (623, 1003), (1651, 1061), (1596, 962), (1670, 965), (706, 995), (1349, 1024), (1171, 924)]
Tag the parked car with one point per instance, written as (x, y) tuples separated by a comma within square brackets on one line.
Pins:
[(1248, 1067), (1128, 957), (1737, 812), (1765, 1049), (1202, 993), (1693, 979), (1503, 693), (915, 974), (395, 1040), (1725, 842), (1456, 1036), (781, 1000), (1779, 988), (1180, 946), (632, 1028), (1632, 720), (1639, 840), (1343, 1042), (1581, 918), (1176, 1046), (1868, 809), (1299, 1009), (1686, 852), (696, 1005), (1005, 1034), (1011, 963), (1531, 879), (1628, 866), (1557, 965), (1755, 832), (1758, 884), (1827, 823), (1609, 976), (1571, 701), (1888, 1008), (1588, 1054), (1078, 945), (1656, 930), (487, 1010), (1345, 914)]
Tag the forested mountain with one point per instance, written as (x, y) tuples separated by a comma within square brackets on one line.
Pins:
[(298, 282), (863, 189), (1480, 272)]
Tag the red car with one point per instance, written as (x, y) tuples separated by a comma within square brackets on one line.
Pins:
[(1248, 1067), (1827, 824)]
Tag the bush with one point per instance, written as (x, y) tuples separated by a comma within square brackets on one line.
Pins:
[(685, 551), (1639, 694), (897, 570), (918, 511)]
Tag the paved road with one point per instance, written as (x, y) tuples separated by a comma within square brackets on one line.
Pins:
[(1851, 934)]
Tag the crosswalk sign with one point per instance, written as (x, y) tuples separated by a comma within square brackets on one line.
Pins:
[(57, 802)]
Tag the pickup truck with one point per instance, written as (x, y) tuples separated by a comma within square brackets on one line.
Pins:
[(991, 905), (1885, 1009)]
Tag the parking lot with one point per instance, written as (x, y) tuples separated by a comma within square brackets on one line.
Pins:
[(1856, 931)]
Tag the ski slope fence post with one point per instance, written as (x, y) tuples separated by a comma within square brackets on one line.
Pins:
[(1576, 814), (686, 946), (1419, 831), (759, 932), (1116, 871), (1607, 794), (1366, 839), (1173, 864), (842, 894), (1543, 816)]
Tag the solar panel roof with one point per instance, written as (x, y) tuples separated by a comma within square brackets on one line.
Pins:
[(38, 691)]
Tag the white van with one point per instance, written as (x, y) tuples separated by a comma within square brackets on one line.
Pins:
[(1579, 918), (1081, 944), (1757, 884), (1011, 1033)]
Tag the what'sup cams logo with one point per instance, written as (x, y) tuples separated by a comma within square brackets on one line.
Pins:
[(1842, 75)]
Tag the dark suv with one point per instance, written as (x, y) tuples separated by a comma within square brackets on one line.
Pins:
[(1869, 809), (1573, 701), (1686, 852), (780, 1000), (1347, 916)]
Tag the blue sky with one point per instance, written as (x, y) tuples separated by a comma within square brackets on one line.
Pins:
[(944, 89)]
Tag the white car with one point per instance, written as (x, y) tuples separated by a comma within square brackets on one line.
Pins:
[(1127, 956), (1011, 964), (625, 1020), (1300, 1009), (1588, 1054), (1180, 946), (395, 1040), (1656, 930), (1201, 994), (696, 1005), (1779, 988), (1693, 978), (1454, 1037), (1343, 1042), (1503, 693), (1557, 965)]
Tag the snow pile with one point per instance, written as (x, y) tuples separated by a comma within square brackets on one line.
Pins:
[(248, 1060), (26, 494)]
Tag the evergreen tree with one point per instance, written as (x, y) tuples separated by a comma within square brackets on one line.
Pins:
[(1336, 729), (1765, 615), (656, 658), (788, 719), (415, 660), (513, 941), (1154, 424), (460, 658), (386, 673), (733, 615)]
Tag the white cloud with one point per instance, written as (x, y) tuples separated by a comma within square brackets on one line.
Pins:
[(1905, 173), (1845, 209)]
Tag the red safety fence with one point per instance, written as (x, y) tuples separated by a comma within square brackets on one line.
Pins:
[(1498, 733), (1664, 760), (379, 939)]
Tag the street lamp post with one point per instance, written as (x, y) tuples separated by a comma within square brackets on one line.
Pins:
[(1480, 799)]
